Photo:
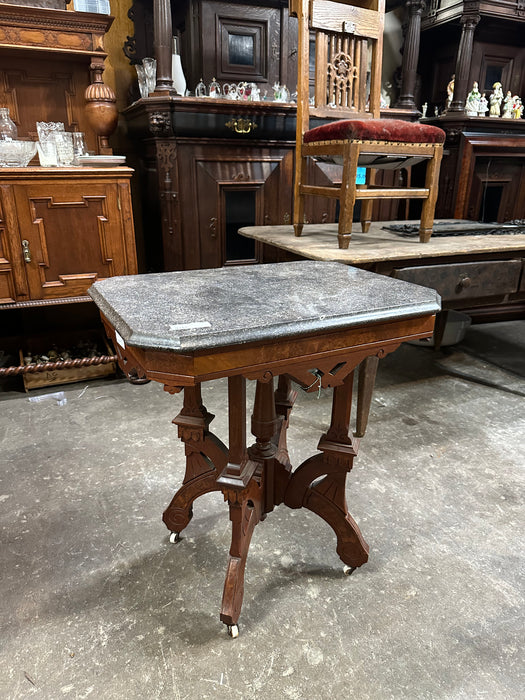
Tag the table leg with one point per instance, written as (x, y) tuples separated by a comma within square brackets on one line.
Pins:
[(242, 483), (319, 483), (268, 467), (206, 457), (284, 400), (245, 513), (365, 389)]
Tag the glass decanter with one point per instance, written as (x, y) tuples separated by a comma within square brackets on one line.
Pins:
[(8, 130)]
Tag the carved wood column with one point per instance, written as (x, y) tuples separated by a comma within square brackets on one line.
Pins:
[(464, 57), (162, 44), (410, 54)]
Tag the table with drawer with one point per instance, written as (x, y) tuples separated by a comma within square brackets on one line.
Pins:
[(480, 274)]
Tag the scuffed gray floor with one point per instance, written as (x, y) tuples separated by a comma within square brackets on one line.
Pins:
[(95, 602)]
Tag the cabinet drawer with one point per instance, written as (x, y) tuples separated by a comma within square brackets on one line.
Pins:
[(466, 280)]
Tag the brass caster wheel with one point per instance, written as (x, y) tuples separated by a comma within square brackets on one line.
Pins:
[(348, 570), (175, 537), (233, 631)]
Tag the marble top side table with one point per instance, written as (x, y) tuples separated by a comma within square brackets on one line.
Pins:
[(310, 322)]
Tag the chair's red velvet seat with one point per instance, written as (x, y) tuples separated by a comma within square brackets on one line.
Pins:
[(394, 130)]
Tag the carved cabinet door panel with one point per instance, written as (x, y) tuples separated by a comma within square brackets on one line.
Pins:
[(497, 190), (230, 189), (73, 236), (13, 284)]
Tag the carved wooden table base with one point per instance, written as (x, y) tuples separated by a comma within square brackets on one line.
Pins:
[(257, 479)]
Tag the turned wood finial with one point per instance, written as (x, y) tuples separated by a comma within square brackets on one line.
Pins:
[(101, 109)]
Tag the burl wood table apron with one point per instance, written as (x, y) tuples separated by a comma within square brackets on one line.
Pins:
[(307, 322)]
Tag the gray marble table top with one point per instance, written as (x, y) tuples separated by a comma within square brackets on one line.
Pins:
[(206, 309)]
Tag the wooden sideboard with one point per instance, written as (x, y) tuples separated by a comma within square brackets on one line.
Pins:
[(60, 230)]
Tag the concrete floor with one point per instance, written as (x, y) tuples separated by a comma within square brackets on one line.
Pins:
[(96, 603)]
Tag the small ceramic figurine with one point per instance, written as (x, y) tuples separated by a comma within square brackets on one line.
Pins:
[(483, 106), (507, 105), (424, 108), (255, 93), (215, 89), (517, 109), (280, 93), (450, 92), (472, 104), (436, 111), (385, 95), (200, 90), (230, 91), (495, 100)]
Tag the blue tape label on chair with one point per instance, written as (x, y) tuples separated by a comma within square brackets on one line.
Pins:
[(360, 178)]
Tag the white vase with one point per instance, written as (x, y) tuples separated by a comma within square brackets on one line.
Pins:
[(177, 74)]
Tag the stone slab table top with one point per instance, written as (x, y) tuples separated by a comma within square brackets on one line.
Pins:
[(319, 242), (189, 311)]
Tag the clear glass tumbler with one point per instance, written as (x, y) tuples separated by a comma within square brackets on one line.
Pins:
[(150, 69), (64, 146), (141, 75)]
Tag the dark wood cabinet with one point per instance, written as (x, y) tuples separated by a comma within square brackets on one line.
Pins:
[(476, 41), (206, 168), (482, 172), (482, 177)]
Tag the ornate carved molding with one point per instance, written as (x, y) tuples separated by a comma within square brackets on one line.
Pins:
[(58, 29), (166, 155), (130, 49), (160, 123), (470, 21)]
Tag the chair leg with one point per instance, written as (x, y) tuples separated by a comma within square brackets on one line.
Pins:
[(298, 198), (429, 205), (367, 205), (366, 214), (347, 196)]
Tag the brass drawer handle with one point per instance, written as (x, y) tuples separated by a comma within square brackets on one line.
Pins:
[(465, 283), (26, 251), (241, 126)]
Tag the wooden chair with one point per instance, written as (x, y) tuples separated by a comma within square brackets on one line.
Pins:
[(348, 51)]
